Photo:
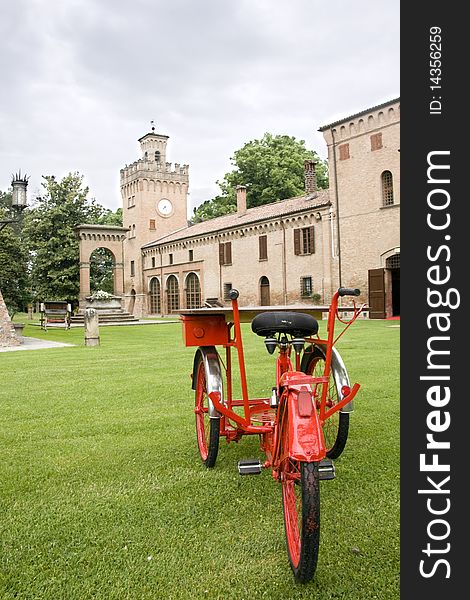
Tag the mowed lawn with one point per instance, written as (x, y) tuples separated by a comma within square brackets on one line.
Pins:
[(103, 494)]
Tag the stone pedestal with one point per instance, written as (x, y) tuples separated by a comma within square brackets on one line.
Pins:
[(8, 336), (92, 330)]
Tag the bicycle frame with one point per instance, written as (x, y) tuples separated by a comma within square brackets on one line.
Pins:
[(296, 392)]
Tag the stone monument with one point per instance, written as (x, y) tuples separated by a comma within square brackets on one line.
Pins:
[(8, 336)]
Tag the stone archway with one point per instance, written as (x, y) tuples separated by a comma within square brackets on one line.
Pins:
[(92, 237)]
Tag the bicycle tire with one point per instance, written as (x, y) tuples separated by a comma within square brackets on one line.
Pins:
[(336, 428), (207, 428), (301, 507)]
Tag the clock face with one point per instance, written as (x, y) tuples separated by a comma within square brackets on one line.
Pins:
[(164, 207)]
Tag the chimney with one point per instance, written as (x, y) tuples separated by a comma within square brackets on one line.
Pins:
[(241, 199), (310, 177)]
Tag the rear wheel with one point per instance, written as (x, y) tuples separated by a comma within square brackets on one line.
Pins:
[(335, 428), (207, 428)]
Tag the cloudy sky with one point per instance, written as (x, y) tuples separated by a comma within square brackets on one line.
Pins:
[(82, 79)]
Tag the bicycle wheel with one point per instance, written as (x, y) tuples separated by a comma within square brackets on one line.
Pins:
[(301, 506), (336, 428), (207, 429)]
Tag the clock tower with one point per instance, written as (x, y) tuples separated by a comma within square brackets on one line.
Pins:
[(154, 203)]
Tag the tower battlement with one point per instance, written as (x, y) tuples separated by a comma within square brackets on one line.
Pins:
[(154, 170)]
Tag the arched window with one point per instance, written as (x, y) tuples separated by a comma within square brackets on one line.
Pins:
[(387, 188), (157, 155), (193, 291), (172, 294), (154, 296)]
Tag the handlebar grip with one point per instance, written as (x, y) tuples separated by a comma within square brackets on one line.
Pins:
[(349, 291), (233, 294)]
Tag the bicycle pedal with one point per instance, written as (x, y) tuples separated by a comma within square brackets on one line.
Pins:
[(326, 469), (249, 466)]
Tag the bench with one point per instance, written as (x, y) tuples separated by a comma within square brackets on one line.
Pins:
[(55, 311)]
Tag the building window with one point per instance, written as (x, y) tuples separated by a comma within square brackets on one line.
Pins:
[(170, 259), (172, 294), (153, 262), (157, 156), (343, 151), (306, 287), (304, 241), (225, 253), (263, 247), (131, 201), (152, 224), (264, 291), (154, 293), (376, 141), (132, 268), (193, 291), (191, 255), (393, 262), (227, 288), (387, 188)]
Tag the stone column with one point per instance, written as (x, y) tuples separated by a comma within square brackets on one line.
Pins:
[(118, 274), (84, 283)]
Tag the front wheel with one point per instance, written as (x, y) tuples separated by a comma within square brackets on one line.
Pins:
[(335, 428), (207, 428), (301, 505)]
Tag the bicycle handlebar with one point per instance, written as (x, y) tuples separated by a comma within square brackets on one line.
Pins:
[(349, 291), (233, 294)]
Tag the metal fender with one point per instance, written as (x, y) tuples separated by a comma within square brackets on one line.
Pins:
[(208, 355), (306, 441), (340, 375)]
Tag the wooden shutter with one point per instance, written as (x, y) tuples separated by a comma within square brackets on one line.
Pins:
[(312, 239), (376, 141), (228, 253), (263, 247), (221, 254), (376, 294), (297, 241)]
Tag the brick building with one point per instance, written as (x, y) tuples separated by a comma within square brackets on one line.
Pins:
[(288, 252)]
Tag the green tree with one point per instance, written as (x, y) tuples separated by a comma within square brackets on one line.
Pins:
[(49, 227), (272, 169), (14, 276)]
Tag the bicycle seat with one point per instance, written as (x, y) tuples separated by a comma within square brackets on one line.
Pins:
[(296, 324)]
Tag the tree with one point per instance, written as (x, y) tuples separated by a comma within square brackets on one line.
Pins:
[(49, 227), (272, 169), (14, 276)]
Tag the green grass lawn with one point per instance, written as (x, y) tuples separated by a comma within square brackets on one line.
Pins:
[(103, 494)]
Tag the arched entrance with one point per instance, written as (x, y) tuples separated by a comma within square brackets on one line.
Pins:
[(193, 291), (102, 266), (154, 296), (172, 294), (132, 302), (92, 237), (264, 292)]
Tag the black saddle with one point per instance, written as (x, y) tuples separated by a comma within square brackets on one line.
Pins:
[(293, 323)]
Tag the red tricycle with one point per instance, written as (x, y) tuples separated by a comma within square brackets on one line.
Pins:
[(302, 426)]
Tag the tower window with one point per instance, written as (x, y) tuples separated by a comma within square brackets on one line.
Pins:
[(152, 224), (343, 151), (157, 155), (153, 262), (387, 188), (376, 141), (170, 259), (132, 268), (191, 255)]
